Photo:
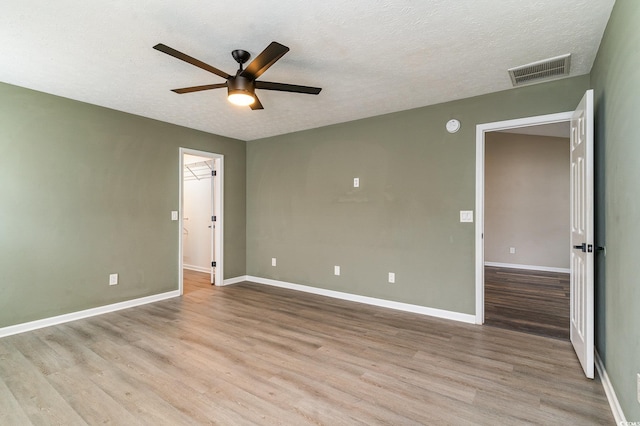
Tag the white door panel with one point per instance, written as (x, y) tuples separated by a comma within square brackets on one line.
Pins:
[(582, 244)]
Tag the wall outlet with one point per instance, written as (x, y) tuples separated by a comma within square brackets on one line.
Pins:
[(356, 182), (336, 270), (273, 261), (392, 277), (512, 250), (174, 215), (638, 388), (113, 279)]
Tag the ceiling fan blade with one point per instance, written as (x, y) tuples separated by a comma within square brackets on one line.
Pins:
[(283, 87), (193, 61), (199, 88), (264, 60), (257, 104)]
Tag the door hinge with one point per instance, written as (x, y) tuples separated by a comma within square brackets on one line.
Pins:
[(590, 248), (214, 173), (213, 264)]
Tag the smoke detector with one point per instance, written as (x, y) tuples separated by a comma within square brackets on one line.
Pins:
[(536, 72)]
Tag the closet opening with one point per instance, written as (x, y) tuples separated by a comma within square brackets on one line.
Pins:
[(200, 220)]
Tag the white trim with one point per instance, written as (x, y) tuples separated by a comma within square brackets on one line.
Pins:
[(219, 236), (196, 268), (47, 322), (423, 310), (235, 280), (479, 225), (616, 409), (219, 213), (481, 129), (529, 267)]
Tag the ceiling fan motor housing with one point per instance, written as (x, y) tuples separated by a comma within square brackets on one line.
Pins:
[(240, 84)]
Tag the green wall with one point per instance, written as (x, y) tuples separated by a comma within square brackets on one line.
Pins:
[(616, 81), (87, 191), (415, 178)]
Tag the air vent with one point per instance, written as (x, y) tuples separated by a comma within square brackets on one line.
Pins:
[(536, 72)]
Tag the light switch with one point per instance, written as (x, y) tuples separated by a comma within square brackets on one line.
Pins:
[(466, 215), (174, 215), (336, 270)]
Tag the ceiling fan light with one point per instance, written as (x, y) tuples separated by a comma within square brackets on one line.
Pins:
[(241, 98), (240, 90)]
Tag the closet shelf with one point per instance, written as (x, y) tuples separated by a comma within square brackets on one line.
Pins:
[(198, 171)]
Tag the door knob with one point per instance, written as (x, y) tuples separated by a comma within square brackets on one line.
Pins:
[(582, 247)]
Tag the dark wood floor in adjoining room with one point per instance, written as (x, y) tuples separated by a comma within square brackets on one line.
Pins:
[(530, 301), (251, 354)]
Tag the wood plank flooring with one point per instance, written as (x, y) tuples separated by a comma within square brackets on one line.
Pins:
[(193, 281), (531, 301), (251, 354)]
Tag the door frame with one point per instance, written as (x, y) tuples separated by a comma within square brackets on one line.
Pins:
[(481, 130), (218, 161)]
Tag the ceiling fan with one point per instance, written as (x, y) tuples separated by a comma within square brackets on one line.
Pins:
[(241, 86)]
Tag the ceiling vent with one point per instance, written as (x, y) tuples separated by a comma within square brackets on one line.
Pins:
[(535, 72)]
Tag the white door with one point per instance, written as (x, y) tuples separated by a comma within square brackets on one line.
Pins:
[(212, 226), (582, 244)]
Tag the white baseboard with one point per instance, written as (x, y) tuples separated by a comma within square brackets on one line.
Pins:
[(47, 322), (196, 268), (616, 409), (528, 267), (235, 280), (439, 313)]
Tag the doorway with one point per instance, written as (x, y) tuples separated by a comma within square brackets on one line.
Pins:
[(201, 220), (582, 245), (481, 133), (526, 229)]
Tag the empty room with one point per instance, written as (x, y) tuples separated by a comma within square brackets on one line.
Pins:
[(319, 213)]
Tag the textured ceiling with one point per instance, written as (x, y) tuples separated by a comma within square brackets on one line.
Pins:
[(370, 57)]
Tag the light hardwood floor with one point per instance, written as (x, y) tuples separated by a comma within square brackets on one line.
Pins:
[(250, 354), (194, 281)]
